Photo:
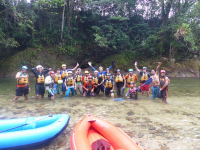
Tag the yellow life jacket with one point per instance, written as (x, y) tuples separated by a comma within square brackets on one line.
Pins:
[(130, 79), (101, 76), (95, 80), (22, 81), (58, 77), (70, 81), (119, 78), (108, 84), (85, 79), (144, 77), (79, 78), (64, 74), (40, 79)]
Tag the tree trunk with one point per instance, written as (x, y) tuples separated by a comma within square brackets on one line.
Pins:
[(63, 15)]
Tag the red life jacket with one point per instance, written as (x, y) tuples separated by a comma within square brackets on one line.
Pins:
[(133, 91)]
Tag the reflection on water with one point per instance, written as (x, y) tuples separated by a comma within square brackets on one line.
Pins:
[(151, 123)]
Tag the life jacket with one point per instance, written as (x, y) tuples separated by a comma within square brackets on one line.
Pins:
[(95, 80), (162, 82), (108, 84), (64, 74), (144, 77), (85, 79), (79, 78), (130, 79), (70, 81), (22, 81), (56, 78), (119, 78), (40, 79), (101, 76), (89, 87)]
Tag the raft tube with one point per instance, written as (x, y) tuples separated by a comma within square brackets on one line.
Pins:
[(34, 134), (92, 133)]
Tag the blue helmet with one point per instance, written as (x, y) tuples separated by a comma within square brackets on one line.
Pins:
[(24, 67), (130, 70)]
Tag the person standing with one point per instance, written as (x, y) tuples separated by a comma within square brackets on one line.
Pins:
[(49, 82), (23, 84), (155, 84), (120, 83), (144, 77), (96, 83), (57, 82), (64, 74), (164, 82), (70, 84), (101, 74), (130, 77), (40, 77), (78, 79), (109, 86), (89, 87)]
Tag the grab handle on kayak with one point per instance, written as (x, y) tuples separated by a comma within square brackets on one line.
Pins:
[(25, 124)]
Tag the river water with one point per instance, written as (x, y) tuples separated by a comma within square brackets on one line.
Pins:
[(151, 123)]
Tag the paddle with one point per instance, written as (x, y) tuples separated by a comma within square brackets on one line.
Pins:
[(25, 124), (147, 82)]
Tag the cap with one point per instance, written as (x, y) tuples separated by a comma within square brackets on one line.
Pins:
[(51, 72), (118, 70), (144, 68), (162, 71), (130, 70), (95, 71), (90, 77), (63, 65), (24, 67), (39, 66), (107, 68), (69, 72), (108, 74), (86, 72)]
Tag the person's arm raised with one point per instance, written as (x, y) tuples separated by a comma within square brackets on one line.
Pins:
[(90, 64), (75, 67), (138, 70), (157, 69)]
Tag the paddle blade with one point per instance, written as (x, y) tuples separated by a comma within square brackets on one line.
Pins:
[(119, 99), (148, 81)]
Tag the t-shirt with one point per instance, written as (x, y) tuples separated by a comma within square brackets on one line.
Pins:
[(48, 83)]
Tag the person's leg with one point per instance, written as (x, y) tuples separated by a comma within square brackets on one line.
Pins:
[(63, 88), (153, 92), (67, 92), (42, 91), (147, 89), (26, 92), (16, 98), (37, 88), (72, 91), (142, 89), (122, 91), (118, 91), (84, 93), (55, 85), (107, 91), (102, 88), (92, 94), (98, 90), (165, 94)]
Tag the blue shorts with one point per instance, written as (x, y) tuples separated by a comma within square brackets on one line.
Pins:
[(155, 91)]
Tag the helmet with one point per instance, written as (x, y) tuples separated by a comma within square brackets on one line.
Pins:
[(162, 71), (132, 82), (79, 69), (95, 71), (51, 72), (39, 66), (63, 65), (69, 71), (107, 68), (118, 70), (130, 70), (108, 74), (86, 72), (89, 77), (144, 68), (24, 67)]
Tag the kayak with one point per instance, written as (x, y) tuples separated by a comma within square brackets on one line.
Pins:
[(36, 131), (92, 133)]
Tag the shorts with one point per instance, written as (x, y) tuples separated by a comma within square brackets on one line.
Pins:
[(164, 94), (50, 92), (56, 88), (155, 92), (145, 87), (107, 91), (22, 90), (39, 89)]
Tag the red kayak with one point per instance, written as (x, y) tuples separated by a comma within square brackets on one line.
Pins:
[(92, 133)]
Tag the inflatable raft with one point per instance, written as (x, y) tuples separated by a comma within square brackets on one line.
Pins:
[(92, 133), (37, 131)]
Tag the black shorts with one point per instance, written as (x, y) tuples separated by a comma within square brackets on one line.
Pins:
[(107, 91), (22, 90), (39, 89), (164, 94)]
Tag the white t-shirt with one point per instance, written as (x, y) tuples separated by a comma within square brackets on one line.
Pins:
[(48, 80)]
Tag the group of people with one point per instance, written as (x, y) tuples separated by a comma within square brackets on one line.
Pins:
[(88, 85)]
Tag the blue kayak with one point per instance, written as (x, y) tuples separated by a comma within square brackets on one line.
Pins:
[(38, 131)]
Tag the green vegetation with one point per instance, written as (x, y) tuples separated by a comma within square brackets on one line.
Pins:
[(42, 32)]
